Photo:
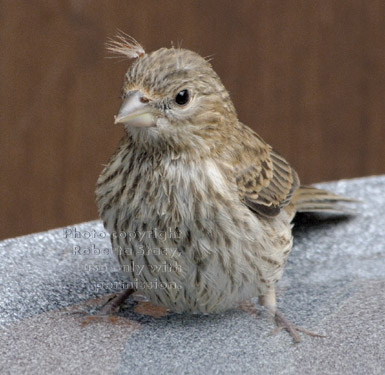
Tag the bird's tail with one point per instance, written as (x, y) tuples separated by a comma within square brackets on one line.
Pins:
[(311, 199)]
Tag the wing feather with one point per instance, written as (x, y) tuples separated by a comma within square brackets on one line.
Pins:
[(269, 183)]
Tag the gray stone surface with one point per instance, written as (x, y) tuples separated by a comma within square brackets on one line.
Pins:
[(334, 284)]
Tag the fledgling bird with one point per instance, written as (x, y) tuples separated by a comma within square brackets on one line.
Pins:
[(187, 165)]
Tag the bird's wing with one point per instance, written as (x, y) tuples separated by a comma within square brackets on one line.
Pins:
[(268, 183)]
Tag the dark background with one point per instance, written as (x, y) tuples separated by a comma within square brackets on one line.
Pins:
[(309, 76)]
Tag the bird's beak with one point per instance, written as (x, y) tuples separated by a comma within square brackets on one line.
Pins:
[(135, 111)]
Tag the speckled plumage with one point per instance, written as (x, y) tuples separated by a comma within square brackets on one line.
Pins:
[(203, 174)]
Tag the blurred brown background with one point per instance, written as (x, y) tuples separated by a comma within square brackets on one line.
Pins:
[(308, 75)]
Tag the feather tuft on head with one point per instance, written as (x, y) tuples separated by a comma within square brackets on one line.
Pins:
[(125, 45)]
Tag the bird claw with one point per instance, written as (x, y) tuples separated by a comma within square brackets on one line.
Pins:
[(103, 313), (112, 305), (283, 323), (108, 309)]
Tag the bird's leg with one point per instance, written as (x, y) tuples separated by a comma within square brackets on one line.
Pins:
[(107, 310), (269, 302), (113, 304)]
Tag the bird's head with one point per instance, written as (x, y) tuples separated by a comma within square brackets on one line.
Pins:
[(171, 92)]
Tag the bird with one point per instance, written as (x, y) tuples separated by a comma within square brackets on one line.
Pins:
[(198, 206)]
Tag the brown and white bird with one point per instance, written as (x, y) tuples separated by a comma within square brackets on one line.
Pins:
[(188, 166)]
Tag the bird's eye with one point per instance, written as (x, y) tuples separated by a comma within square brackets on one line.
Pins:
[(182, 97)]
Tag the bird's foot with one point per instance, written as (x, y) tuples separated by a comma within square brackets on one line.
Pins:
[(113, 304), (283, 323), (107, 310)]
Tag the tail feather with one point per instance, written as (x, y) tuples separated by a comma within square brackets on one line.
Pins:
[(311, 199)]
